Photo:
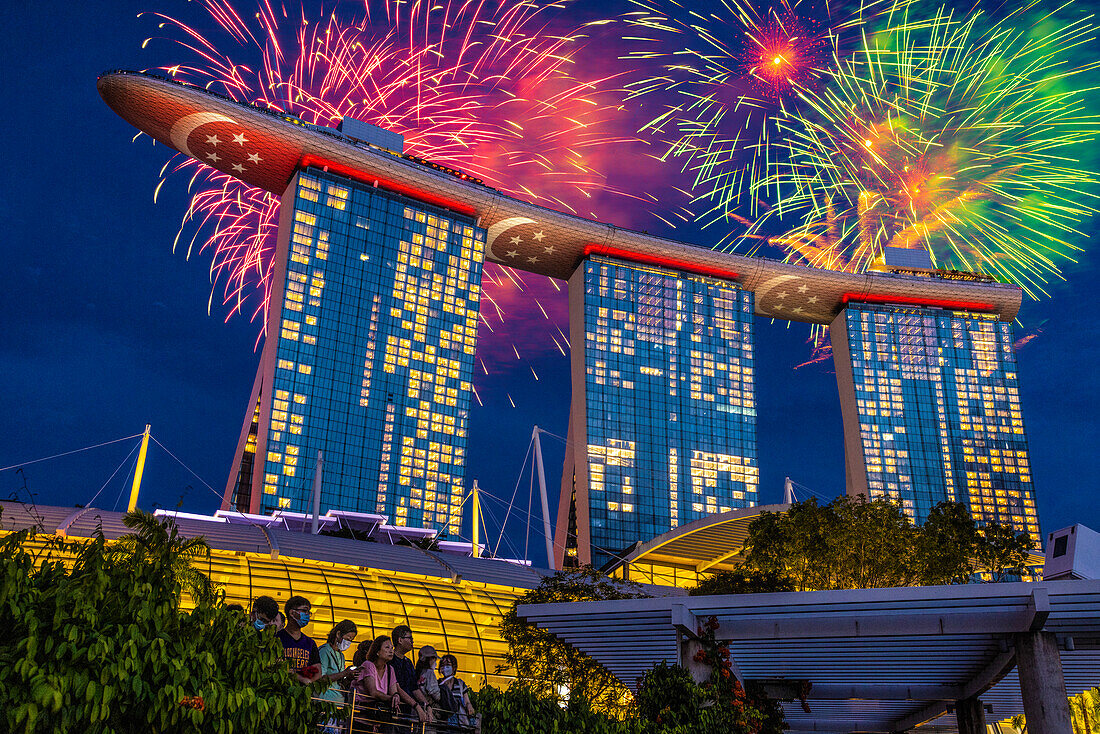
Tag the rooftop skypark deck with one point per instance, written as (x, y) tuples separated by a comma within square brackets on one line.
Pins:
[(265, 149)]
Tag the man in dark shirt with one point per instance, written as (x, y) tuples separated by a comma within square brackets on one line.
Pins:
[(405, 671), (299, 649), (265, 613)]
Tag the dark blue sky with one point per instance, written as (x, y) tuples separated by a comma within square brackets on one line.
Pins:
[(105, 329)]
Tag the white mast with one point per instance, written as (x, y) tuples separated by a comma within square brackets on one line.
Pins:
[(542, 495)]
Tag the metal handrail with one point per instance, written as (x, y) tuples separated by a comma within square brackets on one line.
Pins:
[(378, 714)]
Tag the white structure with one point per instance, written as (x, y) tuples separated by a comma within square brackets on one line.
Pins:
[(1072, 553), (869, 660)]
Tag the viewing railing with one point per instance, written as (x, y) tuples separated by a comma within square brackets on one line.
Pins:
[(362, 715)]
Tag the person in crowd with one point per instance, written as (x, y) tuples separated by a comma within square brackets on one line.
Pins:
[(299, 648), (453, 687), (234, 607), (406, 673), (265, 613), (375, 686), (334, 667), (361, 651), (425, 679)]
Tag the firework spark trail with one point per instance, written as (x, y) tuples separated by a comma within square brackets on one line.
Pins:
[(724, 76), (941, 136), (488, 88)]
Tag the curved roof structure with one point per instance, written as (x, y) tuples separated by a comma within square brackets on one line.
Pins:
[(709, 544), (264, 149)]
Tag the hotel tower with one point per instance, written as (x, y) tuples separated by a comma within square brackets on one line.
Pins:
[(373, 320)]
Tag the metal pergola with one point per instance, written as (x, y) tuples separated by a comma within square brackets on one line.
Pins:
[(876, 660)]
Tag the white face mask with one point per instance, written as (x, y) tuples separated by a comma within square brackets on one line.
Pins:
[(343, 645)]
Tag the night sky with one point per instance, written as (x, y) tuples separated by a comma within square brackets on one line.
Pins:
[(104, 329)]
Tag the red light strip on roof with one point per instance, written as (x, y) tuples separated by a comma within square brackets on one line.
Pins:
[(664, 262), (362, 177), (915, 301)]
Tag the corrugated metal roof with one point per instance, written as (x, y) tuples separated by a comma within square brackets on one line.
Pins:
[(233, 536), (16, 516)]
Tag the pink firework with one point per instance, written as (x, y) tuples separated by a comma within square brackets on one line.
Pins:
[(485, 87)]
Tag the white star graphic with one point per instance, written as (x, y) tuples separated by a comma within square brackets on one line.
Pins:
[(797, 310), (254, 158), (538, 236), (516, 241), (781, 294), (238, 168), (240, 139), (549, 250), (214, 157), (532, 259), (801, 289), (212, 140), (813, 299), (511, 253), (778, 307)]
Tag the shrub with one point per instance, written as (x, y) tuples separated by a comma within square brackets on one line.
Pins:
[(103, 645)]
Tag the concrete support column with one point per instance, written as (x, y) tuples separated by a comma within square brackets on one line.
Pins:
[(689, 646), (1042, 687), (970, 714)]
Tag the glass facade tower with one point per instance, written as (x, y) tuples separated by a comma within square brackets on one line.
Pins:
[(663, 419), (368, 359), (931, 407)]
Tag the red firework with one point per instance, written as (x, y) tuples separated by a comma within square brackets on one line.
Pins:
[(488, 88), (783, 53)]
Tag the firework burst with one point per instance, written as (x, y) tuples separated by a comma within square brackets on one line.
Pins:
[(487, 88), (944, 137), (724, 75)]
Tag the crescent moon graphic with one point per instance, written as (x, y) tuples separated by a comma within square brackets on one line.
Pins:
[(768, 285), (498, 229), (186, 125)]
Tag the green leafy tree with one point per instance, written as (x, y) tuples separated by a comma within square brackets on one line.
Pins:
[(849, 543), (1003, 551), (669, 698), (741, 582), (668, 702), (95, 640), (949, 545), (161, 545), (856, 543), (548, 667)]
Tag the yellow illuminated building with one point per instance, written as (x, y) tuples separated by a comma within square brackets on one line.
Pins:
[(452, 602)]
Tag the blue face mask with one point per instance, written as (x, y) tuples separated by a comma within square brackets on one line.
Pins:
[(303, 618), (259, 625), (447, 671)]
